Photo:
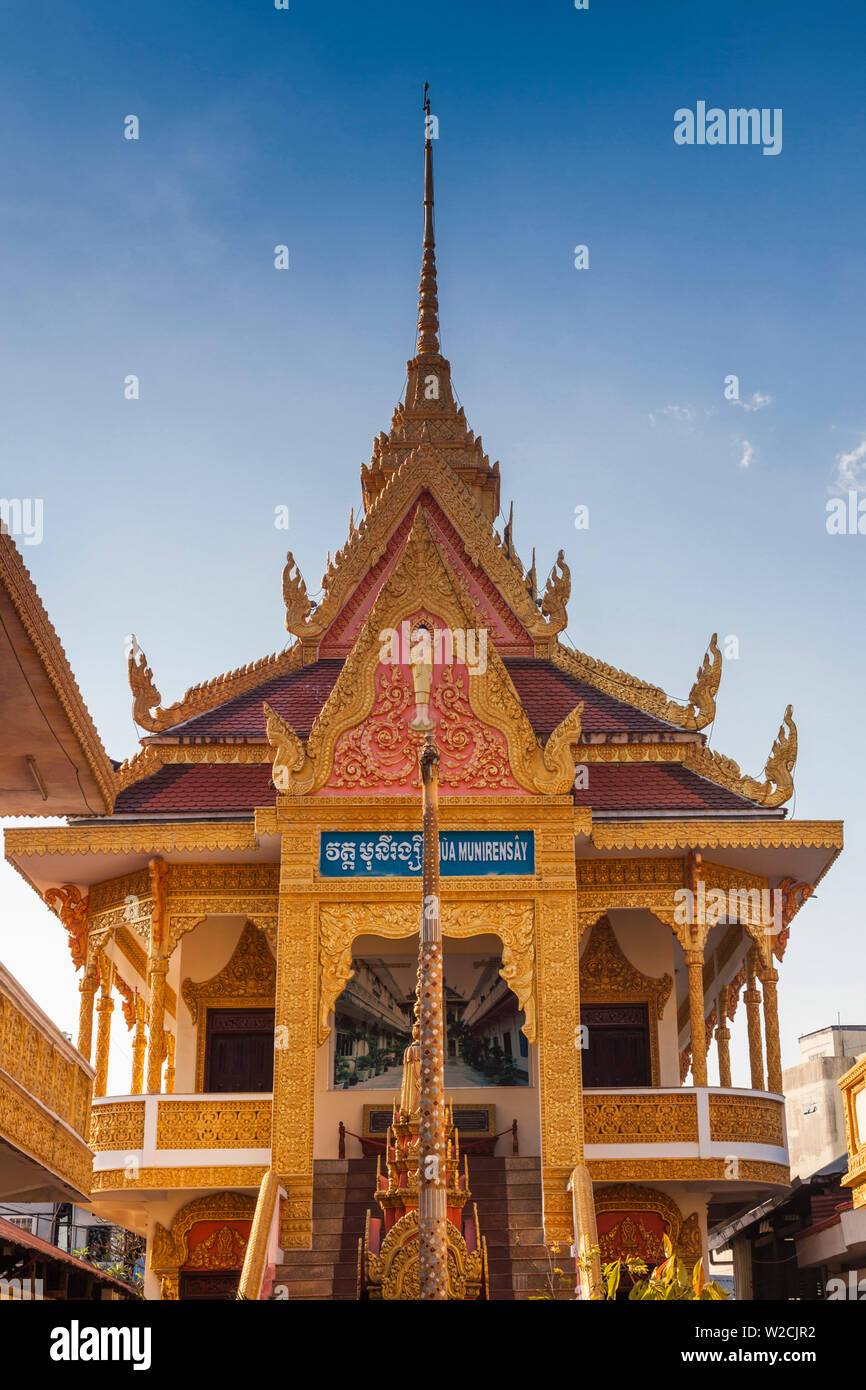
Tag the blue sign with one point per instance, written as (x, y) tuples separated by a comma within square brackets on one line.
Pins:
[(461, 852)]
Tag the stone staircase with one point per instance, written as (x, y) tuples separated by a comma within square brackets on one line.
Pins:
[(507, 1192), (342, 1195)]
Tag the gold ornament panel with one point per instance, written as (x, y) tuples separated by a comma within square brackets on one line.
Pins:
[(26, 1126), (211, 1175), (214, 1124), (301, 766), (747, 1119), (117, 1124), (640, 1119)]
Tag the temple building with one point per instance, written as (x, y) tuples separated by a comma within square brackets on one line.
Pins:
[(616, 901)]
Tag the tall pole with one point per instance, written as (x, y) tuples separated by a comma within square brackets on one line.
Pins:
[(432, 1174)]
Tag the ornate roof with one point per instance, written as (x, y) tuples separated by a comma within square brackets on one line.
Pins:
[(431, 500)]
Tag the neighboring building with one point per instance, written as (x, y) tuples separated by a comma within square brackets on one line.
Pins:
[(266, 839), (813, 1101), (772, 1244)]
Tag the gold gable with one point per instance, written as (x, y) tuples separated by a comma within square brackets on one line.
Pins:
[(422, 578)]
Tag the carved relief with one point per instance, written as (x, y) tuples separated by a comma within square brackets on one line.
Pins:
[(214, 1124), (301, 767), (71, 907), (640, 1119), (169, 1249), (746, 1119)]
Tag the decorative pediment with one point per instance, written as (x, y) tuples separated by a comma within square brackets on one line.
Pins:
[(422, 471), (480, 711), (249, 978), (606, 973)]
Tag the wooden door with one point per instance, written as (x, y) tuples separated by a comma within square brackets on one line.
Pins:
[(239, 1054)]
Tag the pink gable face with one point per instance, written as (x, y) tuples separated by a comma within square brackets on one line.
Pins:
[(381, 754), (509, 634)]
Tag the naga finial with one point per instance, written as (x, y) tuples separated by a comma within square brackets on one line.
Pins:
[(146, 697), (298, 605), (703, 693), (557, 593), (700, 710)]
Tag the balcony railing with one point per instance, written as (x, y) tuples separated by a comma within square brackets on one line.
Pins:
[(158, 1140), (45, 1087), (699, 1130)]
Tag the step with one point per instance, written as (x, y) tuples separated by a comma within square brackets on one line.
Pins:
[(311, 1288)]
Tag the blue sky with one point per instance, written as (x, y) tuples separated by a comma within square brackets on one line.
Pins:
[(601, 387)]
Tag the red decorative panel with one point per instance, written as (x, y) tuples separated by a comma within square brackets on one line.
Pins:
[(217, 1244), (638, 1233)]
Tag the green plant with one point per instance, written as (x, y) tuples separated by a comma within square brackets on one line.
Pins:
[(668, 1281)]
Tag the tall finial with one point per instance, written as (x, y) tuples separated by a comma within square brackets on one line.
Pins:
[(428, 302)]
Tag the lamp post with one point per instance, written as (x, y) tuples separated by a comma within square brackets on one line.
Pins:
[(432, 1146)]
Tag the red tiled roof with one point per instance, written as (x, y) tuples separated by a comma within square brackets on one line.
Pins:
[(297, 697), (15, 1235), (239, 787), (202, 787), (654, 787), (548, 695)]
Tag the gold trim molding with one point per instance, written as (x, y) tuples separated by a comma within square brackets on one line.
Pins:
[(718, 834), (116, 838), (232, 1175)]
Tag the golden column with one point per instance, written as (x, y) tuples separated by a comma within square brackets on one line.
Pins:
[(139, 1047), (693, 949), (723, 1037), (695, 967), (432, 1178), (157, 969), (88, 986), (169, 1065), (769, 980), (104, 1009), (752, 999)]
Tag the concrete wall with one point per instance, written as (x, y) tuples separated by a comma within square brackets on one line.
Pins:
[(813, 1108)]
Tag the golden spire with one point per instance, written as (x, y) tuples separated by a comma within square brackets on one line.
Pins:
[(428, 302)]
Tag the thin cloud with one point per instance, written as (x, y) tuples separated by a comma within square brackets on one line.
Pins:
[(682, 414), (851, 469), (756, 401)]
